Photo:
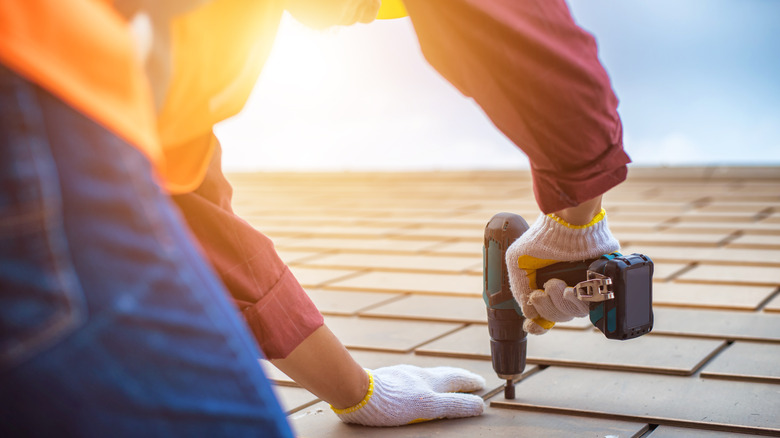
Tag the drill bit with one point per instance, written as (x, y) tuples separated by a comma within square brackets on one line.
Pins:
[(509, 389)]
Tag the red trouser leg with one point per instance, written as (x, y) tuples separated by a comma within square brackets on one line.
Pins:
[(537, 75), (279, 312)]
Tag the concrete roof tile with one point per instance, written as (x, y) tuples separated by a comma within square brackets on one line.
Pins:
[(714, 296), (652, 398), (588, 349), (732, 363), (406, 247)]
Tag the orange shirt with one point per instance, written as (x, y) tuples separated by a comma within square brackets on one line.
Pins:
[(82, 52), (218, 51)]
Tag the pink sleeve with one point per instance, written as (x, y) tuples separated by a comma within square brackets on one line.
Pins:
[(538, 77), (283, 317), (279, 312)]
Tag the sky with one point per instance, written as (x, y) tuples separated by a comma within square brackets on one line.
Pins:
[(698, 83)]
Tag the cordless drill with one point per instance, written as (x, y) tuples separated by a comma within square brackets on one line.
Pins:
[(618, 289), (505, 319)]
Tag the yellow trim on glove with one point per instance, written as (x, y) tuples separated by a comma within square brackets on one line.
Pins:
[(596, 219), (391, 9), (530, 264), (543, 323), (363, 402)]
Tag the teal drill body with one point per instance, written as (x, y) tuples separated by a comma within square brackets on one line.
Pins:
[(623, 310), (505, 319)]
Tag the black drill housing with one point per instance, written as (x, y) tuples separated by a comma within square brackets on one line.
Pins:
[(630, 313)]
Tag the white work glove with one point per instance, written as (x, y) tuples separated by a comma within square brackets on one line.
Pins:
[(405, 394), (551, 240)]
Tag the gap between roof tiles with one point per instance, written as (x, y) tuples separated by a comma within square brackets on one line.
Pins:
[(709, 256), (656, 354), (727, 325), (625, 404), (765, 213), (349, 303), (727, 282), (381, 303), (763, 306), (434, 339), (748, 240), (659, 431), (324, 284), (722, 297), (468, 269), (671, 277), (294, 399), (722, 366), (303, 260), (529, 371), (648, 419), (731, 237), (697, 369), (431, 249)]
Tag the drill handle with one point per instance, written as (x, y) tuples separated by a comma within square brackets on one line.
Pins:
[(502, 230)]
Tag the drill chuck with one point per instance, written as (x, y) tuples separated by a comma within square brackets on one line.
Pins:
[(507, 342)]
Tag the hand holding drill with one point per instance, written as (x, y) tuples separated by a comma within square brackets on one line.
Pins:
[(556, 271), (549, 241)]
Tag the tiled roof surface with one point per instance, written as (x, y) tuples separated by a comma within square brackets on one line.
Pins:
[(394, 262)]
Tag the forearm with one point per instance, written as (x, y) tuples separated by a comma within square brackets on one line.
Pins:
[(581, 214), (323, 366)]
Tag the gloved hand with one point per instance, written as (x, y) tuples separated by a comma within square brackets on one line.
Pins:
[(405, 394), (551, 240), (319, 14)]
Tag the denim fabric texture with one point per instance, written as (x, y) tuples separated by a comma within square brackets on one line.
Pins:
[(111, 322)]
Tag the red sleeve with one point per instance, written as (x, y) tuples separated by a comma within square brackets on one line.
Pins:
[(283, 317), (538, 77), (279, 312)]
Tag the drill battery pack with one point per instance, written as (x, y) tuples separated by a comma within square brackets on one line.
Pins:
[(619, 289)]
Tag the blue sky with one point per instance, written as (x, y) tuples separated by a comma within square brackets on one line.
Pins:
[(698, 81)]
